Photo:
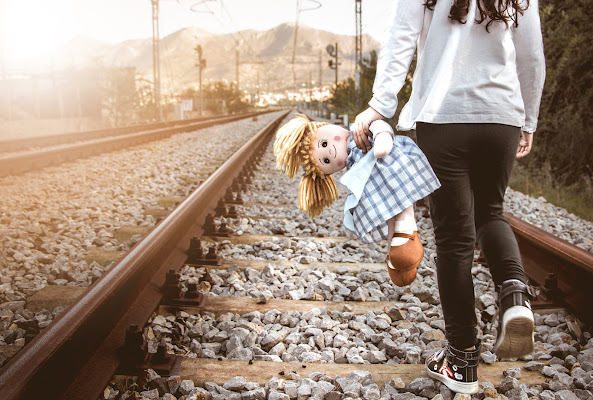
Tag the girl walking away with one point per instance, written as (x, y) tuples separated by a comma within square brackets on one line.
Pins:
[(474, 104), (383, 184)]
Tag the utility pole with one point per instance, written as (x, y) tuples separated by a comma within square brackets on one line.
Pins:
[(238, 64), (237, 67), (320, 71), (310, 86), (156, 68), (201, 65), (333, 52), (257, 95), (312, 5), (294, 45)]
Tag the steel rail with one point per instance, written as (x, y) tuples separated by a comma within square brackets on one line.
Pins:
[(30, 160), (76, 355), (564, 271), (14, 145)]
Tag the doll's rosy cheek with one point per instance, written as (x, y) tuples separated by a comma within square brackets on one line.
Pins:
[(340, 163), (337, 138)]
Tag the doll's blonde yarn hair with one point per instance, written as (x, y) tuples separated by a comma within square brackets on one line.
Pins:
[(292, 148)]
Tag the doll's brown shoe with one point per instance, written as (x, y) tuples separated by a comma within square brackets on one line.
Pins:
[(403, 260)]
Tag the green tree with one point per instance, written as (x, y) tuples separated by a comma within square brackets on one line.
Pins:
[(563, 143), (347, 100), (144, 104), (118, 88), (221, 97), (344, 98)]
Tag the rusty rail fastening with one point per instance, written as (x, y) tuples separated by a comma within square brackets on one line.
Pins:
[(563, 272), (75, 356)]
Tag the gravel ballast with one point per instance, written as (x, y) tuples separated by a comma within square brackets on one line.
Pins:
[(407, 332), (52, 218)]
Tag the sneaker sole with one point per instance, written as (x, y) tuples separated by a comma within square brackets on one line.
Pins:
[(459, 387), (516, 335)]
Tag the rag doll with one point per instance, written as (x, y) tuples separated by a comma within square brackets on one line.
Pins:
[(383, 184)]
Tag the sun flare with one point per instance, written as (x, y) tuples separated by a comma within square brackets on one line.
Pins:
[(33, 28)]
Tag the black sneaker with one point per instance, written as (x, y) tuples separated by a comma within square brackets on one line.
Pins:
[(457, 369), (515, 329)]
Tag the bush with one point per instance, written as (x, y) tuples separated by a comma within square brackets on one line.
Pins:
[(564, 138)]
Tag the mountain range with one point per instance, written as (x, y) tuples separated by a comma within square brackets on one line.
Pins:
[(262, 60)]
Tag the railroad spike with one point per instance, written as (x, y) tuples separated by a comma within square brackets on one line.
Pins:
[(212, 256), (229, 197), (232, 212), (239, 199), (236, 186), (162, 362), (172, 287), (550, 289), (192, 291), (197, 256), (209, 227), (220, 208), (245, 176), (134, 351), (223, 230), (195, 244), (161, 356)]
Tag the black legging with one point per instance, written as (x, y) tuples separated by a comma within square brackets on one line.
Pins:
[(473, 163)]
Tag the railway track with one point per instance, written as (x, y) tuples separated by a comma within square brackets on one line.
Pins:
[(22, 155), (562, 272), (102, 336)]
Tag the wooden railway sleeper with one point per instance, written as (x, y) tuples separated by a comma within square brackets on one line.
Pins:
[(76, 355)]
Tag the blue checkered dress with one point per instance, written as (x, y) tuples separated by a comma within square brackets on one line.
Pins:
[(380, 188)]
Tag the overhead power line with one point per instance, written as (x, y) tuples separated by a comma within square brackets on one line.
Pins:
[(315, 5)]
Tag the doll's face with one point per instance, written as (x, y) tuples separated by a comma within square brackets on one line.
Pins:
[(330, 148)]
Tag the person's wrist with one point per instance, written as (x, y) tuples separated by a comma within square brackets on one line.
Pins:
[(376, 114)]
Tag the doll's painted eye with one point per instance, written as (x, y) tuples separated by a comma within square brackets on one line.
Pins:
[(324, 144), (326, 160)]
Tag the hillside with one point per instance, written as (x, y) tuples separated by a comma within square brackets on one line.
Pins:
[(263, 56)]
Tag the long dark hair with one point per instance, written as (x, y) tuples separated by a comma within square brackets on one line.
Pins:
[(490, 10)]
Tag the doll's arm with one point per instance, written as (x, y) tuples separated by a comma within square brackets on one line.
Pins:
[(383, 137)]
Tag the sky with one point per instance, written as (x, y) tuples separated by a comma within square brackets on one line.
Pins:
[(35, 28)]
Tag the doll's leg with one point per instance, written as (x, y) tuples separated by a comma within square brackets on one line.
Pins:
[(405, 248), (404, 222)]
